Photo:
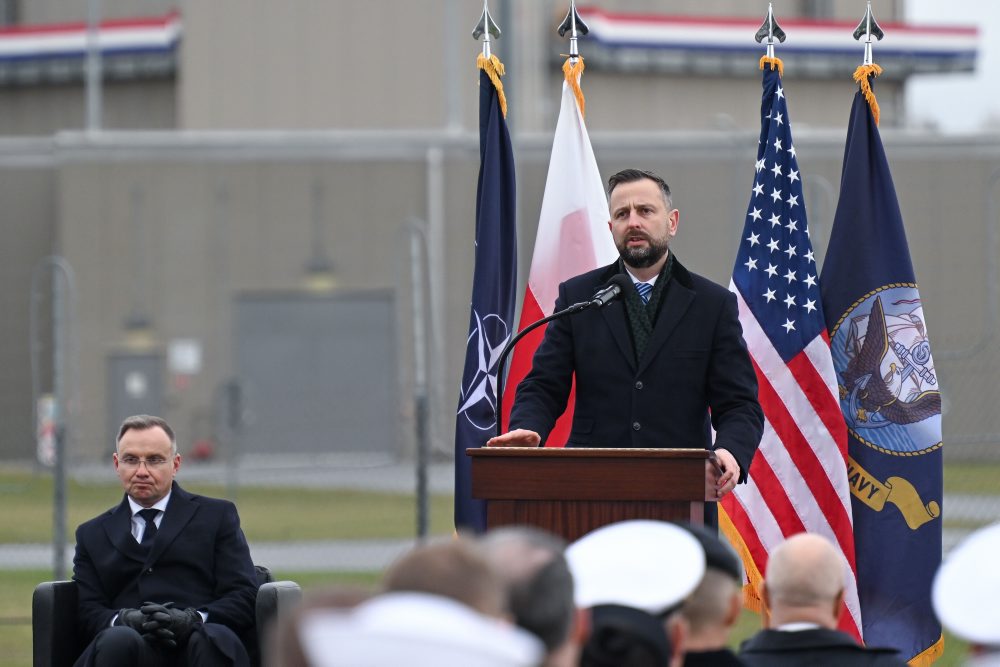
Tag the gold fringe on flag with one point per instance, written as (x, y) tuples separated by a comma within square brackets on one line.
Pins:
[(755, 581), (494, 69), (929, 655), (862, 76), (572, 72), (775, 63)]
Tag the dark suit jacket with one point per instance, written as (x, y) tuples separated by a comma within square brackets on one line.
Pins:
[(719, 658), (199, 558), (817, 648), (695, 361)]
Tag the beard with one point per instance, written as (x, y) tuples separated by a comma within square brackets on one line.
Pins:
[(643, 257)]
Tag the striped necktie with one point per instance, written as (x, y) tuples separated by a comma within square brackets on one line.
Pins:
[(644, 289)]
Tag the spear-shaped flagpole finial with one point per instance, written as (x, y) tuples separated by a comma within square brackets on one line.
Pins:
[(575, 26), (868, 28), (488, 27), (770, 30)]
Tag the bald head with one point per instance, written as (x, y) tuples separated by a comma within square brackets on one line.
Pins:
[(804, 581)]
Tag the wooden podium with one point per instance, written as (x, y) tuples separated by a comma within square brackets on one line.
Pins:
[(572, 491)]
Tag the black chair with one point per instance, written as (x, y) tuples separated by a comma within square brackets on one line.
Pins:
[(55, 642)]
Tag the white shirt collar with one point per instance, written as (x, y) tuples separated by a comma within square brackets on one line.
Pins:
[(161, 504), (636, 281), (798, 627)]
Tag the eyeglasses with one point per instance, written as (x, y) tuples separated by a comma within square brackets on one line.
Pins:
[(134, 461)]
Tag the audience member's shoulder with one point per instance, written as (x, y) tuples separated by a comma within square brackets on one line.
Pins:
[(704, 286), (97, 520), (208, 502)]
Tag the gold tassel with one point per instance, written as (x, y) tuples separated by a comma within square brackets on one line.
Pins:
[(862, 75), (775, 63), (752, 589), (494, 69), (572, 72)]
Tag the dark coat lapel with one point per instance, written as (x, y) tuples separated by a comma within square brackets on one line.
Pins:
[(675, 303), (180, 509), (118, 528), (614, 315)]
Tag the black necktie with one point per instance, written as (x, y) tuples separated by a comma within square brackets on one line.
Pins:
[(148, 515)]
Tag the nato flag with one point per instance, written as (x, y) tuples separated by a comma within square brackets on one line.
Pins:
[(493, 284)]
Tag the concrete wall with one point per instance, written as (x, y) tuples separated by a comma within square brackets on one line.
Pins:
[(27, 229)]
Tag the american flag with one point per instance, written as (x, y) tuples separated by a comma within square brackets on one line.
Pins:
[(798, 479)]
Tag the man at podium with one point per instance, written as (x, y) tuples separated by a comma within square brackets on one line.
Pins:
[(660, 366)]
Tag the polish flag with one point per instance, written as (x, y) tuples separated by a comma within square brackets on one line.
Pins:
[(573, 238)]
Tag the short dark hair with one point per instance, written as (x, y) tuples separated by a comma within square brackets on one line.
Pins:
[(143, 422), (541, 596), (633, 175)]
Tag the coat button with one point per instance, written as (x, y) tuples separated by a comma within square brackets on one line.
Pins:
[(638, 384), (636, 426), (149, 571)]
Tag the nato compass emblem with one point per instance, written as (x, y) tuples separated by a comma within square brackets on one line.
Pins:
[(889, 391), (478, 399)]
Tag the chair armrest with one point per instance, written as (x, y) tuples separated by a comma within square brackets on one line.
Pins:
[(275, 599), (53, 624)]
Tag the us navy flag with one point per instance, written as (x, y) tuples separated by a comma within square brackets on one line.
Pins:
[(493, 284), (890, 398)]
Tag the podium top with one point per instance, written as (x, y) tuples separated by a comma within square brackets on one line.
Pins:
[(590, 452)]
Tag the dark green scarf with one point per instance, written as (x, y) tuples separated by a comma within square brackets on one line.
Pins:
[(642, 317)]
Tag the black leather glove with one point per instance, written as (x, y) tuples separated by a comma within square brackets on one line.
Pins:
[(180, 623), (131, 618)]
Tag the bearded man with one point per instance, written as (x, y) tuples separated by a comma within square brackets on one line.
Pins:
[(660, 367)]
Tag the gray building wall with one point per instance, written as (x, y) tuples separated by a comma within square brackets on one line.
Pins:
[(27, 234), (42, 110), (174, 226)]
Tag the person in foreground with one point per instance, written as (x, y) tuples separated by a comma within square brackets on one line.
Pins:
[(165, 577), (804, 590), (632, 577), (651, 367), (966, 595), (714, 607), (533, 566)]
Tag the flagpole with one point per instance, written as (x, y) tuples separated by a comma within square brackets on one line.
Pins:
[(575, 26), (868, 28), (487, 29), (770, 30), (868, 70)]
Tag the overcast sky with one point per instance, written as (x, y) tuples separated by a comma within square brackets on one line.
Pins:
[(958, 102)]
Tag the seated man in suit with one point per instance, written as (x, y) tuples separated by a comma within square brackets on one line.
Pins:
[(804, 591), (658, 367), (165, 577)]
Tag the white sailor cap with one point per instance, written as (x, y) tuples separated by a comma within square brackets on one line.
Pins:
[(647, 565), (407, 628), (966, 592)]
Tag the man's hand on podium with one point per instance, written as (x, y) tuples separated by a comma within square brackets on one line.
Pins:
[(519, 437), (721, 474)]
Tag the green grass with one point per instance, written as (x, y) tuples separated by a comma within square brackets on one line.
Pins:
[(973, 478), (268, 514)]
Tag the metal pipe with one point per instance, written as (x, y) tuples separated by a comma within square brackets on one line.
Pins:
[(94, 66), (418, 253)]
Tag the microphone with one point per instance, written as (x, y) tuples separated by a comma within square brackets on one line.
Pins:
[(611, 291)]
